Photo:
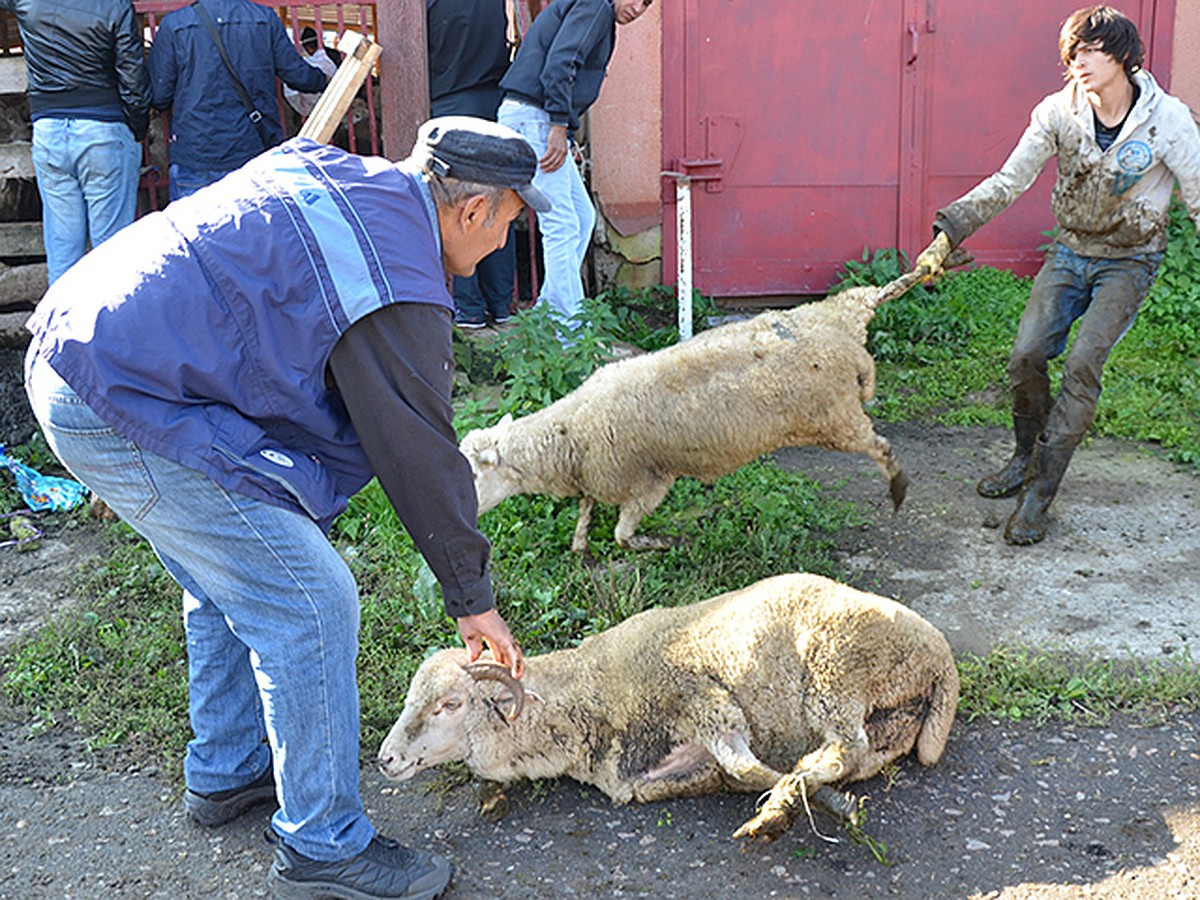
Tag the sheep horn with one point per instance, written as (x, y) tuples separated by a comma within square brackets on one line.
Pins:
[(494, 671)]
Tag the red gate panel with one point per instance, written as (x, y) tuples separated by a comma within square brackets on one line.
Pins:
[(814, 130)]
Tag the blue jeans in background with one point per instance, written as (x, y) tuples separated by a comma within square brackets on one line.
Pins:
[(567, 227), (183, 182), (490, 290), (271, 613), (87, 176), (1104, 295)]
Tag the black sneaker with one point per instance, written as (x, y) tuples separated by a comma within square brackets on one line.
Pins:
[(211, 810), (385, 869)]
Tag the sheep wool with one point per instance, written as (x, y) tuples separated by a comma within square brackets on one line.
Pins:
[(794, 685), (701, 408)]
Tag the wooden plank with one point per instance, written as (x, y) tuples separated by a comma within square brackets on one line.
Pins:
[(21, 239), (12, 75), (360, 55), (16, 160)]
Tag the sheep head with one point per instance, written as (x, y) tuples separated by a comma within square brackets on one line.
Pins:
[(495, 479), (444, 708)]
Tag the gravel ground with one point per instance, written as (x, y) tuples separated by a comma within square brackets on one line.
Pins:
[(1012, 810)]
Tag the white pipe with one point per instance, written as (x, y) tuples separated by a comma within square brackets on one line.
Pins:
[(683, 273)]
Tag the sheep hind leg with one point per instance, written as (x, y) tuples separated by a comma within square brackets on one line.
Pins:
[(795, 792), (632, 513)]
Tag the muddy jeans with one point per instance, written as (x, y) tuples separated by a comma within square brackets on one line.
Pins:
[(1104, 295)]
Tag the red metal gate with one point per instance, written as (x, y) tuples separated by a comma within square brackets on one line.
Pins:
[(817, 129)]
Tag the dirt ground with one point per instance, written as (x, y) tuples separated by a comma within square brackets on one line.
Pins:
[(1012, 810)]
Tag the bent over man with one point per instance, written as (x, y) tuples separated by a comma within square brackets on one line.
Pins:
[(225, 374)]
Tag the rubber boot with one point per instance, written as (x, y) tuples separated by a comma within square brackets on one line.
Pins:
[(1031, 521), (1009, 480)]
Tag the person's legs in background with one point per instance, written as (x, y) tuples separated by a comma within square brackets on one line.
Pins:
[(87, 175), (566, 228), (490, 290), (109, 162), (183, 182), (64, 211)]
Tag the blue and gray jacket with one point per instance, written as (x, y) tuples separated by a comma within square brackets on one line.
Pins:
[(211, 348)]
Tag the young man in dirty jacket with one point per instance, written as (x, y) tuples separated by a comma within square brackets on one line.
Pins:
[(1121, 143)]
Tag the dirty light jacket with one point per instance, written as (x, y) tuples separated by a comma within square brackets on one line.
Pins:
[(83, 56), (203, 333), (1109, 203), (563, 59)]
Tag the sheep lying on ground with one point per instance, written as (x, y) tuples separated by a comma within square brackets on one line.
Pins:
[(702, 408), (791, 685)]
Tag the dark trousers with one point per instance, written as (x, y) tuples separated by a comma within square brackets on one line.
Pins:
[(1104, 296), (490, 289)]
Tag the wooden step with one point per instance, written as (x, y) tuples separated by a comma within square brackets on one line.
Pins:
[(12, 75), (16, 159), (21, 239)]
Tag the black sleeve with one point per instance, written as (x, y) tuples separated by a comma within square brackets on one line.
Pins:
[(394, 370)]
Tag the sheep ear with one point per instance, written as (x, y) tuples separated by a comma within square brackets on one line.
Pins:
[(505, 419), (489, 456)]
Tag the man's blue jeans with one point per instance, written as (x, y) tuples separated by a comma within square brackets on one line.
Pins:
[(87, 176), (1104, 295), (271, 613), (183, 182), (567, 227)]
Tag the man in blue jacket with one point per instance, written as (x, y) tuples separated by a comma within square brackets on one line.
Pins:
[(225, 374), (554, 79), (212, 131), (90, 104)]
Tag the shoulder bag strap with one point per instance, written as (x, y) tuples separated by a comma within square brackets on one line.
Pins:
[(252, 112)]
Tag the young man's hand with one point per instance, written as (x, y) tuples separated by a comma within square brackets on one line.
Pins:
[(933, 257)]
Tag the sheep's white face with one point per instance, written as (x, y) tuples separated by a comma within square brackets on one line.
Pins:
[(432, 729), (493, 480)]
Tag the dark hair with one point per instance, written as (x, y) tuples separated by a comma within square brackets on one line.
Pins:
[(1103, 25)]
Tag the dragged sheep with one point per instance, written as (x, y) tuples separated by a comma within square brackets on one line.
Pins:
[(702, 408), (794, 685)]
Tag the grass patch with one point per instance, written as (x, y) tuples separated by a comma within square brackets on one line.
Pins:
[(1036, 685), (115, 663)]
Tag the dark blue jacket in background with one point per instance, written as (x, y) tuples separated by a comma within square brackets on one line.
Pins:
[(563, 59), (210, 129)]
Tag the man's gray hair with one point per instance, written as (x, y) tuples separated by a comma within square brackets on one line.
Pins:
[(452, 191)]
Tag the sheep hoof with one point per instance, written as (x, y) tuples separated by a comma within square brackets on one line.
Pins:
[(766, 826), (493, 802), (652, 542), (899, 490)]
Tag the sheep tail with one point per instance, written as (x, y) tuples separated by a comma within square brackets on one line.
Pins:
[(943, 704)]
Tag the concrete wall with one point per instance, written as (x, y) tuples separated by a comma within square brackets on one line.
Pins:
[(1185, 53), (625, 132)]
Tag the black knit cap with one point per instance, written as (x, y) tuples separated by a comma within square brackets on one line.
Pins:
[(484, 152)]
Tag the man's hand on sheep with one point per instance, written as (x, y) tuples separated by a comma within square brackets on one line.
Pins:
[(933, 257), (489, 628)]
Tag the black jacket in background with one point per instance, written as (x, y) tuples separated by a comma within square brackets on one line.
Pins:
[(468, 49), (81, 55)]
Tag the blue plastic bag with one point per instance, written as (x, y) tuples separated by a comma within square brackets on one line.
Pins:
[(40, 491)]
